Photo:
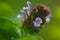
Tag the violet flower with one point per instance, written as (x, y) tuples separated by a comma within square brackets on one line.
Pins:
[(37, 22), (34, 17)]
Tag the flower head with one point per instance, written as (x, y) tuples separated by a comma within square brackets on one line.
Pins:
[(35, 17), (37, 22)]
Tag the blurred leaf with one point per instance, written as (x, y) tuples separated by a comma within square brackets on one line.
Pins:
[(7, 12), (2, 38), (57, 12), (9, 29), (31, 37), (9, 24)]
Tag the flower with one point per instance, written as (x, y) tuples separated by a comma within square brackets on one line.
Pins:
[(37, 22), (35, 17)]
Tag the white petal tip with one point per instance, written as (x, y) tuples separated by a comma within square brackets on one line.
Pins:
[(19, 16), (22, 11), (28, 2), (47, 20), (24, 8), (36, 25)]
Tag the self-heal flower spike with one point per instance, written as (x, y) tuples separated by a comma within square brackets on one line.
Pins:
[(35, 17)]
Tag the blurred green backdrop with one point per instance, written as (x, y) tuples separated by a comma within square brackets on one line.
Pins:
[(9, 23)]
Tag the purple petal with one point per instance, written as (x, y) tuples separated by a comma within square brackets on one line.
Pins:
[(22, 11), (38, 20), (29, 4), (24, 16), (36, 24), (49, 15), (28, 10), (35, 9)]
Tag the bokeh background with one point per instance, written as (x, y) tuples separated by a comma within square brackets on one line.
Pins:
[(9, 23)]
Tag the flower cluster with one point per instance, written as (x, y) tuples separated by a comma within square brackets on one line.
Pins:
[(34, 18)]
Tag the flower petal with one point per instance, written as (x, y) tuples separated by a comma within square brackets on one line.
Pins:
[(47, 20), (38, 20), (22, 11), (29, 4), (19, 16), (36, 24)]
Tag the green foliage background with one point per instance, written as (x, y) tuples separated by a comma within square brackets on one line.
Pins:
[(9, 23)]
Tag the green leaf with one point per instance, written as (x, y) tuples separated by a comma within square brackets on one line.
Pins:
[(2, 38), (31, 37), (57, 12), (9, 29), (9, 23), (7, 12)]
